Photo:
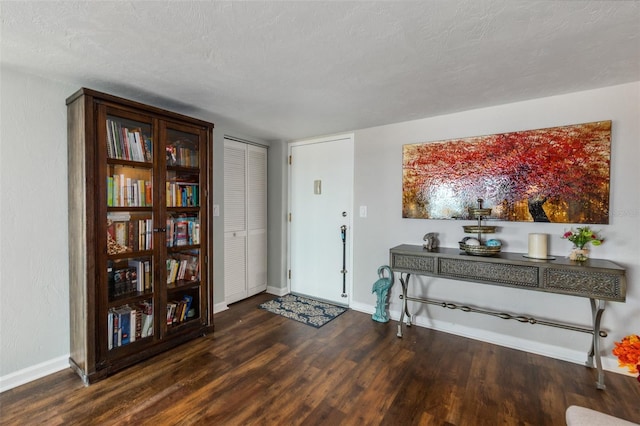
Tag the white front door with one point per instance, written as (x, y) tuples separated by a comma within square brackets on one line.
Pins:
[(321, 198)]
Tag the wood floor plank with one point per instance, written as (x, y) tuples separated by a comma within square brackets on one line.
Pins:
[(258, 368)]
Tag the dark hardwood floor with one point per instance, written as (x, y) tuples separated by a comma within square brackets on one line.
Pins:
[(260, 368)]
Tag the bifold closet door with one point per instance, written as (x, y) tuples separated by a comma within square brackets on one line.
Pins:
[(257, 220), (245, 220)]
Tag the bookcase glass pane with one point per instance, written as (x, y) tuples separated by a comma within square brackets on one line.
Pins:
[(129, 139), (183, 286), (130, 323), (183, 188), (129, 232), (128, 278), (129, 186), (183, 268), (182, 149), (183, 229)]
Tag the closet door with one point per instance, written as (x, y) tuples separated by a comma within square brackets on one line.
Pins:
[(245, 220), (257, 220), (235, 220)]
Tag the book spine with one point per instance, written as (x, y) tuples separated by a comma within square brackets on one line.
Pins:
[(133, 325), (131, 235), (149, 149), (196, 233), (122, 192), (147, 275), (148, 193), (110, 329), (138, 333), (149, 234), (110, 191), (110, 146), (125, 326)]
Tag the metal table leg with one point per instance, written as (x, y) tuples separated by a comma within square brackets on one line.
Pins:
[(597, 309), (404, 282)]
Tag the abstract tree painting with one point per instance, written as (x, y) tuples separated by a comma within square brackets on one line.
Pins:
[(559, 174)]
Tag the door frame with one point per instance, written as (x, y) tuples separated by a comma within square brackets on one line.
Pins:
[(350, 233)]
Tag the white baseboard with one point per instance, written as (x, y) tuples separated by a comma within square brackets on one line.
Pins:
[(362, 307), (609, 363), (277, 291), (34, 372), (219, 307)]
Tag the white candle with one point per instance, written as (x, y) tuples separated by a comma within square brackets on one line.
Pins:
[(538, 246)]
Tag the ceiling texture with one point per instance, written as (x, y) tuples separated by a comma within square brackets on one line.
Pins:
[(297, 69)]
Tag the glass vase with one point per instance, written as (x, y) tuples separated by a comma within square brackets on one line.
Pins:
[(579, 254)]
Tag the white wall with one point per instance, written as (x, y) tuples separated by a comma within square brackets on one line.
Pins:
[(378, 185), (34, 265)]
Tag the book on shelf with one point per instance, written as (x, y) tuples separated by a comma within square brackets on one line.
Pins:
[(113, 325), (139, 266), (182, 152), (123, 191), (146, 308), (126, 235), (171, 310), (183, 267), (148, 285), (192, 269), (110, 200), (129, 323), (178, 310), (126, 143), (119, 320), (122, 281), (136, 318), (188, 299), (147, 325), (183, 231), (110, 330), (194, 232), (182, 194), (172, 270), (148, 145)]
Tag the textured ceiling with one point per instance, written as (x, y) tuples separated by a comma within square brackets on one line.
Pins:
[(288, 70)]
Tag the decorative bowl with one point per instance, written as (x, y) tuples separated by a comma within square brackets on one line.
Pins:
[(480, 250)]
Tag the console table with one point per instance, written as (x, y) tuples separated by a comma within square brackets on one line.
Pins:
[(596, 279)]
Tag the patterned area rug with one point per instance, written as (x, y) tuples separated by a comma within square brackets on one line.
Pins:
[(307, 311)]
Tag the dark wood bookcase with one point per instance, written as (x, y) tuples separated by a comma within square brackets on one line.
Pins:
[(139, 240)]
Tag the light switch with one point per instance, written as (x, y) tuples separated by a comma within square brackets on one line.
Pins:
[(363, 211), (216, 209)]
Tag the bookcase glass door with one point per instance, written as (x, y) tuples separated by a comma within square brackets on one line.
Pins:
[(129, 230), (185, 296)]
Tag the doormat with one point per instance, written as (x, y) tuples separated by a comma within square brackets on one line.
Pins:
[(304, 310)]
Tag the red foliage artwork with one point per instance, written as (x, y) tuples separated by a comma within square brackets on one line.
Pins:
[(559, 174)]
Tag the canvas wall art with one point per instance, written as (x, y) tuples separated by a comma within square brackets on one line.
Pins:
[(558, 174)]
